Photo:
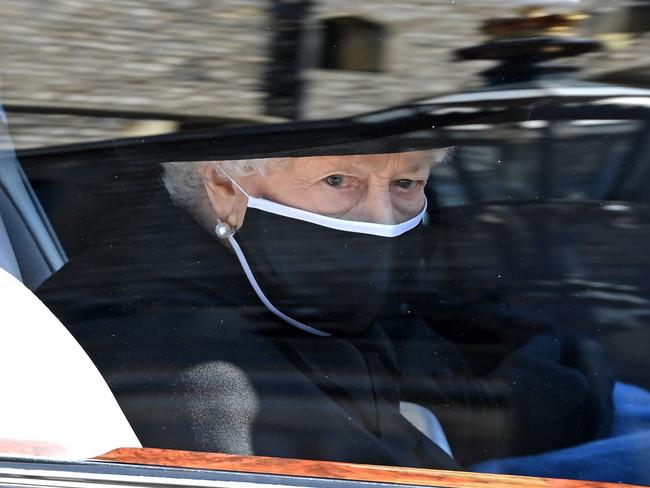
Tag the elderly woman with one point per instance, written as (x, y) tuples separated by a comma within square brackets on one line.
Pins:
[(272, 322), (317, 230)]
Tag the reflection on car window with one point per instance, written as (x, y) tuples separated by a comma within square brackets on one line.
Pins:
[(577, 160), (449, 277)]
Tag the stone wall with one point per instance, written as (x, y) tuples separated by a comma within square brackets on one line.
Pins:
[(208, 57)]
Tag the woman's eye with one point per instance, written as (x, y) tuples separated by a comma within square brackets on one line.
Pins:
[(404, 184), (334, 180)]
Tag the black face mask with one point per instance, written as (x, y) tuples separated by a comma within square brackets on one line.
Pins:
[(320, 279)]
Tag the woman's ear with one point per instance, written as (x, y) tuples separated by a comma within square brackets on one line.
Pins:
[(227, 202)]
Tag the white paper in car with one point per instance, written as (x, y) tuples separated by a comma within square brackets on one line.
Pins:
[(426, 422), (55, 403)]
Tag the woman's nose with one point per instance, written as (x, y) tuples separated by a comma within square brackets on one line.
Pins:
[(378, 208)]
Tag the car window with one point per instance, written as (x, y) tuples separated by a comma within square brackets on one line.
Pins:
[(407, 235)]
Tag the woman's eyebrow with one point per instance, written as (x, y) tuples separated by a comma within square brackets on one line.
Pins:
[(339, 163)]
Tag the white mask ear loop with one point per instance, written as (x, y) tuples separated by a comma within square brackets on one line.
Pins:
[(260, 294), (225, 232), (236, 184)]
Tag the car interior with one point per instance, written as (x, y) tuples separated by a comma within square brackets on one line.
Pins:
[(31, 252), (45, 403), (29, 248)]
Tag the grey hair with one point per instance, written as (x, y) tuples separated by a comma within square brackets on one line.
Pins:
[(185, 182)]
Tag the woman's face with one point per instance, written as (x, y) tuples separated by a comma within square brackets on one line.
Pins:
[(380, 188)]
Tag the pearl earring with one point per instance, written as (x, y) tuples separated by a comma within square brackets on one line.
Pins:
[(223, 230)]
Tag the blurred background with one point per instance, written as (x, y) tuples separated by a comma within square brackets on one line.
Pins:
[(80, 70)]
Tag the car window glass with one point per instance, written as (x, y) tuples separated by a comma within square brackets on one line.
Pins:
[(275, 230)]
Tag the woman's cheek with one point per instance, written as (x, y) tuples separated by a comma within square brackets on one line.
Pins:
[(331, 203), (335, 202), (409, 203)]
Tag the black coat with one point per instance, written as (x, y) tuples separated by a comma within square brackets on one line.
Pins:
[(196, 362)]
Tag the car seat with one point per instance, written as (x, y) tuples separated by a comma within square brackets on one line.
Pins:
[(29, 248)]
